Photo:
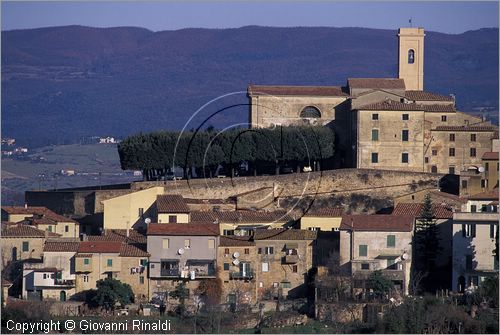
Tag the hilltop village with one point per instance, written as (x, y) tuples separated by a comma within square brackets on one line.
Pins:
[(412, 173)]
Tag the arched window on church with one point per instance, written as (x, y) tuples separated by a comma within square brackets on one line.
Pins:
[(310, 112), (411, 56)]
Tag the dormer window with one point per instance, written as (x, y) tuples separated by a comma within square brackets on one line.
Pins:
[(411, 56)]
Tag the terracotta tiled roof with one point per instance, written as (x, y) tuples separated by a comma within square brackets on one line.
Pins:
[(99, 247), (490, 156), (23, 230), (119, 235), (400, 106), (415, 209), (426, 96), (488, 195), (53, 246), (240, 216), (39, 221), (203, 216), (465, 128), (326, 212), (454, 198), (171, 203), (184, 229), (41, 211), (236, 241), (6, 282), (379, 222), (284, 234), (381, 83), (130, 250), (48, 269), (210, 201), (335, 91)]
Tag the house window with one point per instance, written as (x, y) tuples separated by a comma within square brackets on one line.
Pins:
[(411, 56), (375, 117), (166, 243), (85, 278), (26, 246), (286, 284), (426, 159), (109, 263), (452, 137), (473, 137), (141, 280), (295, 268), (144, 262), (483, 183), (141, 212), (405, 135), (310, 112), (434, 152), (226, 251), (268, 250), (86, 261), (473, 152), (228, 232), (391, 241), (443, 118), (172, 219), (374, 134), (405, 117), (468, 262), (363, 250), (187, 243), (365, 266), (473, 208), (451, 170), (226, 266), (486, 166), (265, 267), (468, 230), (451, 152), (464, 183), (211, 244), (50, 228), (434, 169), (404, 157), (374, 157), (247, 251), (45, 276), (484, 208)]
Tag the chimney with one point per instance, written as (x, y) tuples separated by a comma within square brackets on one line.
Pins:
[(46, 234), (25, 205)]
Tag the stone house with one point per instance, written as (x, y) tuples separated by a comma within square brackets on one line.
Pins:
[(482, 202), (284, 261), (43, 218), (127, 262), (181, 252), (172, 208), (377, 242), (326, 219), (21, 242), (54, 278), (473, 238)]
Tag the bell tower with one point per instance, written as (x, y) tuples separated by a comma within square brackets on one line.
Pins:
[(411, 57)]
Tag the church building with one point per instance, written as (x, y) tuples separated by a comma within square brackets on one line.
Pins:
[(383, 123)]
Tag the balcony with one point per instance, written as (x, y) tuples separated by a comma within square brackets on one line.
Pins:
[(64, 282), (241, 275), (290, 259), (170, 272), (200, 268)]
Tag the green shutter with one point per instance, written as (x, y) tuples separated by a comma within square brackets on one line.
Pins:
[(110, 262), (363, 250), (226, 266), (86, 261), (391, 241)]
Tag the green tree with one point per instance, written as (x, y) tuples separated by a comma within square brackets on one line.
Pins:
[(180, 293), (111, 291), (379, 284)]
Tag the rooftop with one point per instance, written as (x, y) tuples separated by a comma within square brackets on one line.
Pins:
[(381, 83), (40, 211), (59, 246), (119, 235), (325, 212), (112, 247), (284, 234), (184, 229), (426, 96), (335, 91), (466, 128), (378, 222), (240, 216), (401, 106), (487, 195), (490, 156), (22, 230), (236, 241), (415, 210), (171, 203)]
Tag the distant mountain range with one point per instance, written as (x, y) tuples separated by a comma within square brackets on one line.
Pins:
[(63, 83)]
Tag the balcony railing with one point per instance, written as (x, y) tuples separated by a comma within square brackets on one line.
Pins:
[(64, 282), (241, 275), (290, 259), (170, 273)]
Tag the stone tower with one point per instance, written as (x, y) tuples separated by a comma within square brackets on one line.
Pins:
[(411, 57)]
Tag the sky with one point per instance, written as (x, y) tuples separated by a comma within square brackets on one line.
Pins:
[(445, 16)]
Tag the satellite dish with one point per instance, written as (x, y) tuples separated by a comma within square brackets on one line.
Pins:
[(236, 262), (147, 220), (180, 251), (481, 169), (236, 254), (404, 256)]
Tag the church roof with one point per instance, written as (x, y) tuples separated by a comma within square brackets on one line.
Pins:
[(400, 106), (426, 96), (381, 83), (335, 91)]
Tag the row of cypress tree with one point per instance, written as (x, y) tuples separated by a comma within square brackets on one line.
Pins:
[(156, 153)]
